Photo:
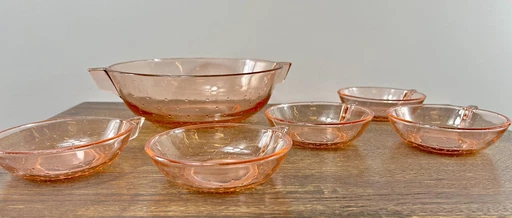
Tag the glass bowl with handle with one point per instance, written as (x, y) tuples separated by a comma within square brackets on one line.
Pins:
[(65, 147), (176, 92), (320, 124), (219, 157), (380, 99), (448, 129)]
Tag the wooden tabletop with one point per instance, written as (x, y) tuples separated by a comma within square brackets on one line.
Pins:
[(377, 175)]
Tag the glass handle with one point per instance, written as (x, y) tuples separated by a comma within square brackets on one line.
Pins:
[(408, 94), (137, 121), (283, 72), (103, 80), (465, 115)]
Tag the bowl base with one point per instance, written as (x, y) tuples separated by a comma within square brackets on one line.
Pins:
[(221, 180), (174, 124), (445, 151), (177, 113), (221, 190), (60, 177), (70, 175)]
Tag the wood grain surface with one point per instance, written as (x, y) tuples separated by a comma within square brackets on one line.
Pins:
[(377, 175)]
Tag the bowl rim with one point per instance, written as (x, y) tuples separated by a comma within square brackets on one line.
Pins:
[(153, 155), (64, 149), (495, 127), (109, 68), (344, 123), (341, 94)]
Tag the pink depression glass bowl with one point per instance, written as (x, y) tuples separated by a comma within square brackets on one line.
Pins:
[(186, 91), (380, 99), (64, 148), (320, 124), (448, 129), (219, 157)]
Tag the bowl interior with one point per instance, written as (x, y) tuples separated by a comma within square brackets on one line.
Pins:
[(380, 93), (194, 66), (448, 116), (219, 143), (318, 113), (61, 133)]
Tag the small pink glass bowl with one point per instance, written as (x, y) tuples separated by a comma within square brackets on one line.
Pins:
[(380, 99), (64, 148), (320, 124), (448, 129), (219, 157)]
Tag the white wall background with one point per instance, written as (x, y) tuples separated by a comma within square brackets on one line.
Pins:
[(457, 51)]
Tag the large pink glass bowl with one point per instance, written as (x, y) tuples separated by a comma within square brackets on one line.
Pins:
[(219, 158), (65, 148), (448, 129), (380, 99), (186, 91)]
